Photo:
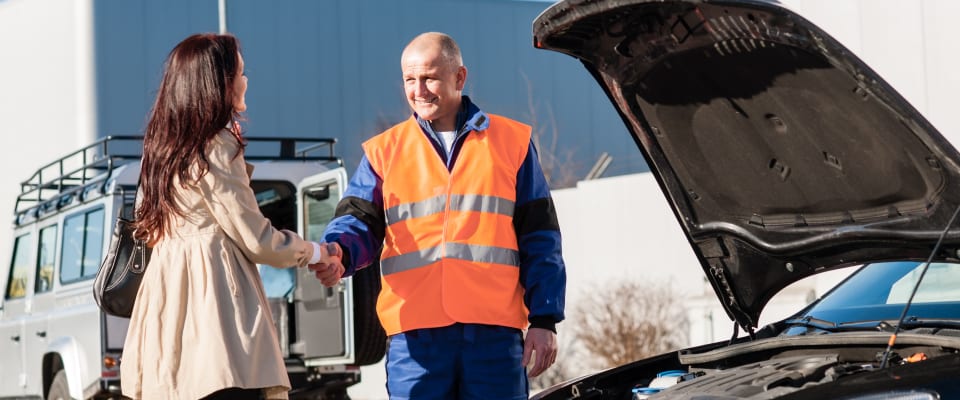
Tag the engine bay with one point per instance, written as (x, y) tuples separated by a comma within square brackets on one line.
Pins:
[(776, 376)]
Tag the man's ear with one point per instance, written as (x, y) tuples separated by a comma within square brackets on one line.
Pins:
[(461, 77)]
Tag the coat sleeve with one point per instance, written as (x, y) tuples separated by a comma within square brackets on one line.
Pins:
[(359, 225), (226, 191), (542, 270)]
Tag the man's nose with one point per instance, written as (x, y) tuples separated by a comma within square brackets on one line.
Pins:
[(421, 88)]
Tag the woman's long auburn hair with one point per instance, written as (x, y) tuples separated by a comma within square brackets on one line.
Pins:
[(194, 104)]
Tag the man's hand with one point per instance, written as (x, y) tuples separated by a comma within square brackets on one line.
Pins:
[(329, 269), (542, 343)]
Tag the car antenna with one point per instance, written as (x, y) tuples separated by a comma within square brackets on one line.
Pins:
[(906, 307)]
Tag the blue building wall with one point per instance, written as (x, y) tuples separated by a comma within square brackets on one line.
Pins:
[(331, 68)]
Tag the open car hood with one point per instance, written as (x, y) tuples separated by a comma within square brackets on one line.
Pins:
[(781, 153)]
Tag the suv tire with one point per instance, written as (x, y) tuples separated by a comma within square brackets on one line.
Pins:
[(371, 339), (58, 388)]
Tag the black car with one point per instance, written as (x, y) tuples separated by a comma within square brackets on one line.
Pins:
[(782, 155)]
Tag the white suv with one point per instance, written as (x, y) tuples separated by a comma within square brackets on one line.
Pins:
[(56, 343)]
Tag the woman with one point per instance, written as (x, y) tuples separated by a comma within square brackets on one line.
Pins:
[(201, 326)]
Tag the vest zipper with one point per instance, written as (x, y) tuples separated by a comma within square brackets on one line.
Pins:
[(446, 217), (446, 208)]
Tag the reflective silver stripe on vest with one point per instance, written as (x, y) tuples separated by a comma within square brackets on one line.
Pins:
[(475, 202), (421, 258), (459, 202), (408, 261), (417, 209), (485, 254)]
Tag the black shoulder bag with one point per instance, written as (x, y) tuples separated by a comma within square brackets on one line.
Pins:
[(118, 280)]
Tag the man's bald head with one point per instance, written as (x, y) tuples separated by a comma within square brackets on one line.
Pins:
[(432, 41)]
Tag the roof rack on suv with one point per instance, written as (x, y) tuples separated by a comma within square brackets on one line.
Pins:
[(94, 162), (56, 183)]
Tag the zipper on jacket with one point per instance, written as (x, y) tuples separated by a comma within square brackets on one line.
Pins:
[(446, 217)]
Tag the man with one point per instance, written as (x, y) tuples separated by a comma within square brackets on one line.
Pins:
[(456, 200)]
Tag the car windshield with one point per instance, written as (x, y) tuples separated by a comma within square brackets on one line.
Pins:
[(879, 292)]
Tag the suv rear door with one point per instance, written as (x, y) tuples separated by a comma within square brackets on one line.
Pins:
[(324, 316)]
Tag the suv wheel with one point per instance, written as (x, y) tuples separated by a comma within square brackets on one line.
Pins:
[(371, 340), (58, 388)]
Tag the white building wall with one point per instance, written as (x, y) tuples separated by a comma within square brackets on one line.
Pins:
[(909, 43), (47, 106), (622, 228)]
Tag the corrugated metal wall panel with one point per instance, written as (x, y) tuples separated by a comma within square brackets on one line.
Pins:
[(331, 68)]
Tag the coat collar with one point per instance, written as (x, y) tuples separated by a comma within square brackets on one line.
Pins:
[(469, 118)]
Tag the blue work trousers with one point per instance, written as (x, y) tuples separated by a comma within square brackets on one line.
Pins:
[(460, 361)]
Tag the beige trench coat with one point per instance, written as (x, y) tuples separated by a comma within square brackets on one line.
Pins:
[(201, 321)]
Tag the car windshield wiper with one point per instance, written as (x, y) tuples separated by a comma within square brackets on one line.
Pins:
[(810, 321), (914, 322)]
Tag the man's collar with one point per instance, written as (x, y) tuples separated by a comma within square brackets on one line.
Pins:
[(475, 119), (469, 118)]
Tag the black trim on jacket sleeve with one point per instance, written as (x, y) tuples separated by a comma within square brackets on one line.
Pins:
[(544, 322), (365, 211), (536, 215)]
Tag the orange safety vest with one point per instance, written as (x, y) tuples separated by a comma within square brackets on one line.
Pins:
[(450, 252)]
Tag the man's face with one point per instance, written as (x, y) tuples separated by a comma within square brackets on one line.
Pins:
[(432, 86)]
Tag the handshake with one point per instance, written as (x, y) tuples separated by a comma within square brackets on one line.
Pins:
[(329, 269)]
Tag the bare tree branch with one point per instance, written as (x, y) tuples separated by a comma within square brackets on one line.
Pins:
[(559, 169), (627, 321)]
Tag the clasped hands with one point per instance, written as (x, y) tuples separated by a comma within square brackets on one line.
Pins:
[(329, 269)]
